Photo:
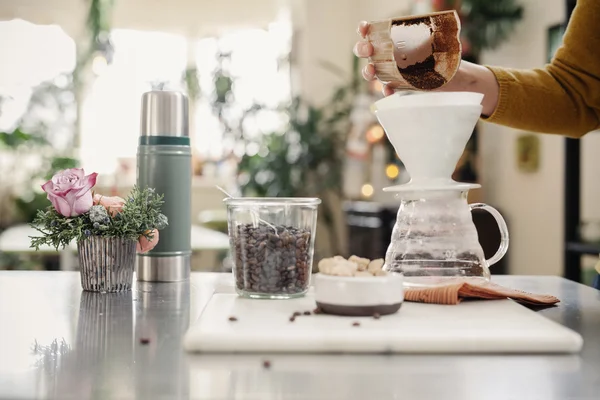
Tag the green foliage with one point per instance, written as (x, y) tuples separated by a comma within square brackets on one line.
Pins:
[(192, 83), (489, 23), (59, 164), (298, 162), (98, 29), (15, 261), (139, 215), (306, 156), (306, 159), (51, 109), (28, 206), (98, 19), (17, 137), (485, 23), (223, 86)]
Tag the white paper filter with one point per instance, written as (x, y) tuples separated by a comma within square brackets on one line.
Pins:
[(429, 99)]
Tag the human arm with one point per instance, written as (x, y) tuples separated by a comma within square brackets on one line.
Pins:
[(562, 98)]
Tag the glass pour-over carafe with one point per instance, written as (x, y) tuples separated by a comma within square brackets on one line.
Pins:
[(434, 237)]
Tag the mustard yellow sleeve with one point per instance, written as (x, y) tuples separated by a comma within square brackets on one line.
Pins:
[(564, 97)]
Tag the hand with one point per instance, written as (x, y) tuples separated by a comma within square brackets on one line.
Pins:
[(469, 77), (364, 49)]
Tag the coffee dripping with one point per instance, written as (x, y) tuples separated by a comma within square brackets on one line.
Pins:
[(434, 237)]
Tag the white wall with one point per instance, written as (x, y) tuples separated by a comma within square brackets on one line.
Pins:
[(533, 202)]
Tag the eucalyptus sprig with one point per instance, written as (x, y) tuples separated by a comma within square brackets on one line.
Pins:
[(140, 214)]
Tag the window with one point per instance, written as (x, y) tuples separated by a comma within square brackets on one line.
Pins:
[(110, 108), (111, 112), (41, 54), (259, 78), (36, 60)]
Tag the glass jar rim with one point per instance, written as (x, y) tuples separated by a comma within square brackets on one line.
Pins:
[(273, 201)]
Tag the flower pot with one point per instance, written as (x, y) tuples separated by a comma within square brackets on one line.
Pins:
[(106, 264)]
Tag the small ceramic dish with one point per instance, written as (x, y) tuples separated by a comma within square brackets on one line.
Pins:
[(359, 296)]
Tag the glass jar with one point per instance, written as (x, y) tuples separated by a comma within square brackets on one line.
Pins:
[(272, 244), (435, 239)]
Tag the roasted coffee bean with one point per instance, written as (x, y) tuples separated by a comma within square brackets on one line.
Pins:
[(376, 316), (232, 319), (356, 324), (307, 313), (270, 263)]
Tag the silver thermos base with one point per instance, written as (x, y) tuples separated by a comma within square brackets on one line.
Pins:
[(163, 269)]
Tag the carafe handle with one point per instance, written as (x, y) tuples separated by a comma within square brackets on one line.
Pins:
[(503, 231)]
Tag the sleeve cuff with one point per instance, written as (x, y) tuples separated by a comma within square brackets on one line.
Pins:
[(503, 79)]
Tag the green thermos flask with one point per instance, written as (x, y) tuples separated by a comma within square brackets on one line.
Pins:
[(164, 163)]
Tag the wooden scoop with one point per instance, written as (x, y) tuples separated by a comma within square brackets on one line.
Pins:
[(417, 52)]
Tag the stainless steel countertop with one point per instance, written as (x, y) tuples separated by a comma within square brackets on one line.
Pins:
[(59, 342)]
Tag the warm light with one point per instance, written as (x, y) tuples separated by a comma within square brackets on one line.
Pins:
[(375, 134), (99, 65), (392, 171), (367, 190)]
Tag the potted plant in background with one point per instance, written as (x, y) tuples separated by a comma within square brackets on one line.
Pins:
[(108, 230), (304, 158)]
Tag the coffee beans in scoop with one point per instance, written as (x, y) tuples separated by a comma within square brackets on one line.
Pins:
[(271, 260)]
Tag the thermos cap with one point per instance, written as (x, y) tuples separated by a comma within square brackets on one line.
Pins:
[(164, 113)]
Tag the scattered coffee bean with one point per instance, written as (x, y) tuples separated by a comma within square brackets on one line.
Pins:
[(297, 314), (144, 340), (292, 319), (317, 311), (356, 324), (271, 263), (307, 312), (267, 364), (376, 316), (233, 319)]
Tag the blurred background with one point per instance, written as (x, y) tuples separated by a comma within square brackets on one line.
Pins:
[(278, 108)]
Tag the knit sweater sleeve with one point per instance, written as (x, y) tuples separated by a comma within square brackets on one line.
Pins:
[(564, 97)]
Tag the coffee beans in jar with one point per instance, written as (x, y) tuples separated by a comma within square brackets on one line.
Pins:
[(271, 260)]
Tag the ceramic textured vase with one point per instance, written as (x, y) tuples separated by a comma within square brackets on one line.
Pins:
[(106, 264)]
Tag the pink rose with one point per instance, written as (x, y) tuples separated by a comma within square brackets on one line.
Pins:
[(144, 245), (113, 204), (70, 191)]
